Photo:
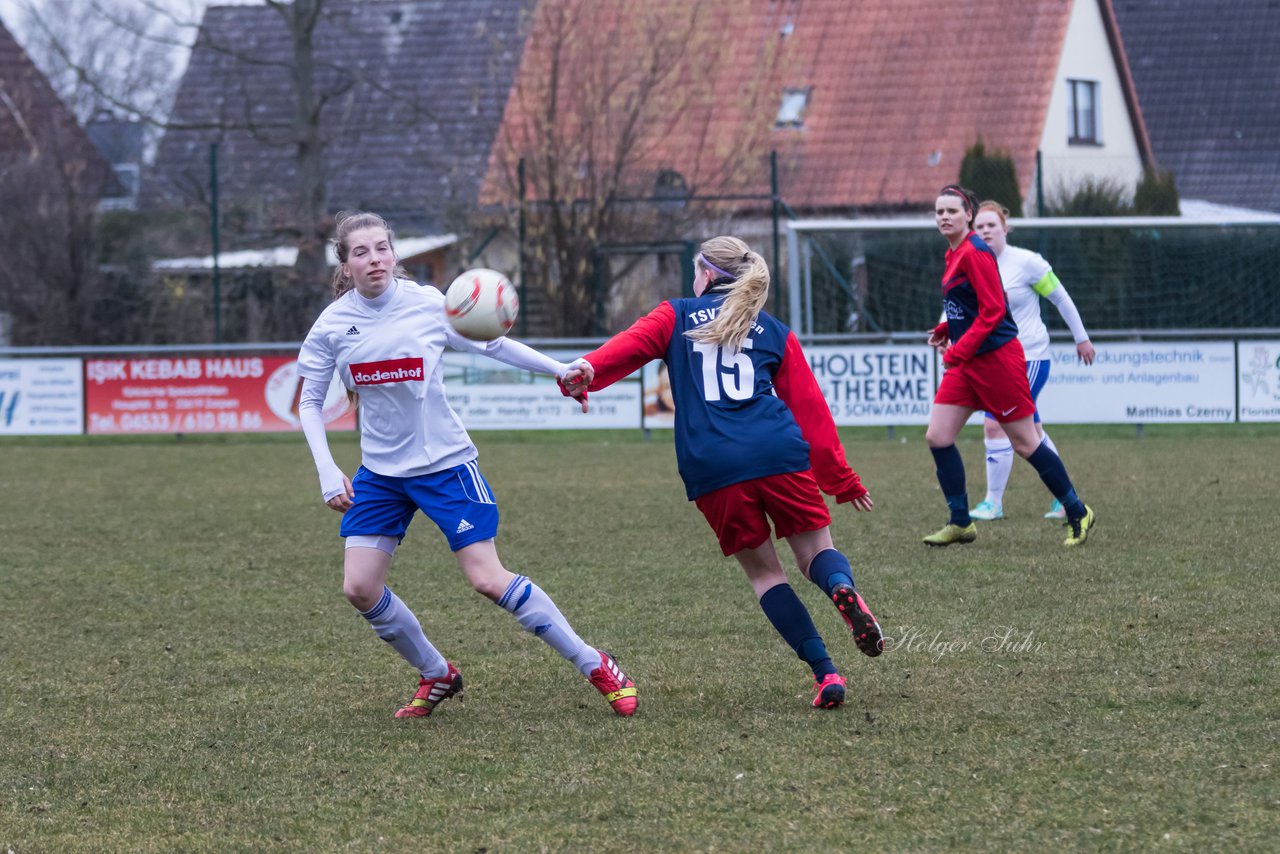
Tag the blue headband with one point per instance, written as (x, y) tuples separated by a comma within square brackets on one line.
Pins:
[(703, 258)]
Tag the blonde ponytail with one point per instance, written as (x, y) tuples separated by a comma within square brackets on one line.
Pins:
[(746, 296)]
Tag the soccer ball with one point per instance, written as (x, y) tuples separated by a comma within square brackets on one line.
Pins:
[(481, 304)]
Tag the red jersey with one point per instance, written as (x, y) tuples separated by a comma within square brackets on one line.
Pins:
[(739, 416), (978, 319)]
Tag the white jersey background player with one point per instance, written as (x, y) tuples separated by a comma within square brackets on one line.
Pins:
[(1027, 277), (384, 337)]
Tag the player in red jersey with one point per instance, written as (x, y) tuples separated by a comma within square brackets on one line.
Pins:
[(755, 442), (984, 369)]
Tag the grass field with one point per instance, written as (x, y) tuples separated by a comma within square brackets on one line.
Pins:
[(179, 671)]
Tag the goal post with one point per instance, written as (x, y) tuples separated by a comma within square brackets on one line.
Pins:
[(879, 278)]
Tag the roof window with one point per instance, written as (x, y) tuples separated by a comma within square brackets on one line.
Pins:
[(792, 109)]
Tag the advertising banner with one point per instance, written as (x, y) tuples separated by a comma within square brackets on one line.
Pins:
[(1156, 383), (488, 395), (863, 385), (540, 406), (1259, 380), (884, 385), (201, 394), (659, 406), (40, 396)]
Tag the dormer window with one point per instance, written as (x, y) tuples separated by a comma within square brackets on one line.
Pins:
[(792, 109)]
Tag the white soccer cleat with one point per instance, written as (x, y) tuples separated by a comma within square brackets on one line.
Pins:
[(987, 512)]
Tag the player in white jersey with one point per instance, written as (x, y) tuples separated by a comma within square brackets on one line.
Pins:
[(384, 336), (1027, 277)]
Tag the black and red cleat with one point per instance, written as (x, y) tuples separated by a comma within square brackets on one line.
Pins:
[(858, 617)]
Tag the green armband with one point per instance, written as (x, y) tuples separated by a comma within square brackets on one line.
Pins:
[(1048, 284)]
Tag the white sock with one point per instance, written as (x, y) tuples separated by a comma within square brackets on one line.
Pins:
[(999, 465), (537, 614), (1052, 446), (397, 625)]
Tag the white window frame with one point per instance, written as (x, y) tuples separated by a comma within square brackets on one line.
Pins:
[(1078, 114), (791, 109)]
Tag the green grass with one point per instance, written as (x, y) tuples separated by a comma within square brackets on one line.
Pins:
[(179, 670)]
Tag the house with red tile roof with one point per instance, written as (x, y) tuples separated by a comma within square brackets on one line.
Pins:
[(870, 105)]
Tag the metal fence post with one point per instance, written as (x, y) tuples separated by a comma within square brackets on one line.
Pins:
[(213, 231)]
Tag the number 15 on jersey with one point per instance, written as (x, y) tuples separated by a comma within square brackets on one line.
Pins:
[(732, 375)]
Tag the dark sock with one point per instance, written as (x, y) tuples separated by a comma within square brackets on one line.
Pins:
[(828, 568), (790, 617), (1054, 475), (951, 478)]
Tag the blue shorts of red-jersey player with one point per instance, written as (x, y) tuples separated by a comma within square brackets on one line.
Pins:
[(740, 513), (995, 381)]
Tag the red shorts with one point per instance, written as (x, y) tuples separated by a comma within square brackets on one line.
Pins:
[(995, 381), (740, 513)]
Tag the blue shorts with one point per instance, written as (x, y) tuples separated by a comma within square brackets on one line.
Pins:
[(458, 500), (1037, 376)]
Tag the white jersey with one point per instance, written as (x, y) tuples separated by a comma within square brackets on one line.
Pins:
[(391, 356), (1026, 277)]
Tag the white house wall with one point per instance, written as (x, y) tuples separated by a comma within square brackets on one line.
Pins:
[(1086, 55)]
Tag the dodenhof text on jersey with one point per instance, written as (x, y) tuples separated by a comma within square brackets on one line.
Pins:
[(388, 371)]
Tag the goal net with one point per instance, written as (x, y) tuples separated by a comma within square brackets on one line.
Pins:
[(1124, 273)]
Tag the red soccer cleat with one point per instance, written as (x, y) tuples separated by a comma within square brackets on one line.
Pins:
[(829, 693), (431, 692), (614, 684)]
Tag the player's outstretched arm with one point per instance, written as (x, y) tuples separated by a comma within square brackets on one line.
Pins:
[(335, 486), (798, 389), (629, 350), (510, 352)]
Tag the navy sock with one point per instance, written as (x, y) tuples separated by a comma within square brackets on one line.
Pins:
[(1054, 475), (951, 478), (828, 568), (790, 617)]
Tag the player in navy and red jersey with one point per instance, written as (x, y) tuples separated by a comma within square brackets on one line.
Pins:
[(755, 442), (985, 369), (384, 337)]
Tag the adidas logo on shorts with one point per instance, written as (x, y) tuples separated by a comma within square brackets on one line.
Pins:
[(463, 527), (353, 331)]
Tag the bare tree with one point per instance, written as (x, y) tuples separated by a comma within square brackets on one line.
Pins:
[(317, 104), (610, 106), (301, 17), (118, 55), (50, 178)]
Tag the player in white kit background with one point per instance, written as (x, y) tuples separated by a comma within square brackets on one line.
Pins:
[(1026, 277), (384, 336)]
